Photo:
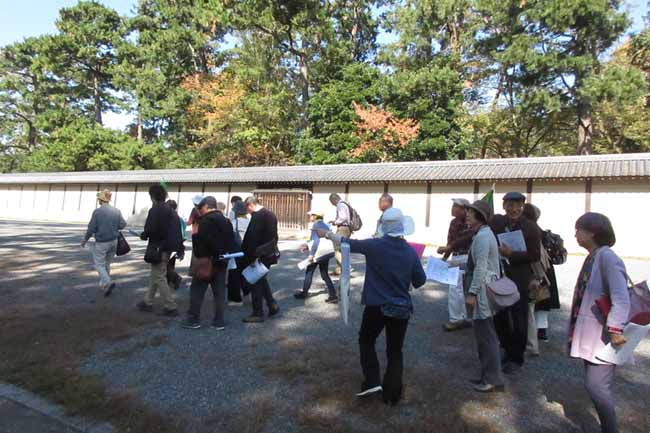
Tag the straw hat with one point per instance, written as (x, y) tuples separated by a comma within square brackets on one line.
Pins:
[(104, 196)]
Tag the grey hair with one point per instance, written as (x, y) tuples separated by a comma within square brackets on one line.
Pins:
[(335, 196), (252, 200)]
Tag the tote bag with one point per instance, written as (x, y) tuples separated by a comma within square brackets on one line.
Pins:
[(123, 246)]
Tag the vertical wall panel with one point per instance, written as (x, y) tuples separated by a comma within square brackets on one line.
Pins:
[(364, 198)]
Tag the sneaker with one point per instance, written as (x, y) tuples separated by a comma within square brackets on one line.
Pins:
[(486, 387), (300, 295), (456, 325), (366, 391), (332, 300), (169, 313), (144, 307), (109, 290), (217, 327), (190, 323), (253, 319), (274, 310)]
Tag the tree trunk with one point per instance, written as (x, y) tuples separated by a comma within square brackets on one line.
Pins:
[(585, 128), (304, 74), (356, 43), (98, 99), (139, 126)]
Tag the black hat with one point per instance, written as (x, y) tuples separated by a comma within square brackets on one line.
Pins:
[(484, 208), (514, 196), (210, 201)]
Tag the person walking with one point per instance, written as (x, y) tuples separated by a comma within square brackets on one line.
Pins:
[(173, 277), (260, 243), (321, 251), (105, 225), (392, 266), (482, 269), (512, 322), (343, 223), (603, 274), (459, 239), (214, 238), (385, 202), (233, 202), (239, 221), (162, 230)]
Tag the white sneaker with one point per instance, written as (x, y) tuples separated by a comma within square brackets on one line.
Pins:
[(370, 391)]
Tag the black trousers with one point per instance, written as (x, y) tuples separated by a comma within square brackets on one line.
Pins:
[(235, 285), (323, 264), (260, 292), (512, 329), (372, 324), (197, 293)]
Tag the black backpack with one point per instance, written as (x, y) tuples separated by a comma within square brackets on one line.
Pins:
[(554, 245), (355, 219)]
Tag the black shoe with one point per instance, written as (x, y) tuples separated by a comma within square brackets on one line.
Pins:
[(144, 307), (218, 326), (300, 295), (511, 368), (274, 310), (190, 323), (169, 313), (542, 335), (108, 291), (253, 319), (332, 300)]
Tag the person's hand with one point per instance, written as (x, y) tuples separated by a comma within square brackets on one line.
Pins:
[(442, 250), (311, 259), (617, 339), (83, 243), (143, 236), (470, 300), (304, 248), (321, 233), (505, 250)]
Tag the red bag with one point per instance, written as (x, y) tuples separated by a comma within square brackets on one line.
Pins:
[(604, 305)]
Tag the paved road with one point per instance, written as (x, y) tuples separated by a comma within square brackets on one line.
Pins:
[(204, 377)]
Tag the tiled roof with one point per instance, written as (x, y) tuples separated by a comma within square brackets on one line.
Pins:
[(563, 167)]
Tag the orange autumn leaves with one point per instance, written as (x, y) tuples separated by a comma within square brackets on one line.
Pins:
[(381, 133)]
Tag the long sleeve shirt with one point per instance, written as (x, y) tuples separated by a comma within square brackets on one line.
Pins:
[(343, 217), (392, 266), (105, 224), (459, 237)]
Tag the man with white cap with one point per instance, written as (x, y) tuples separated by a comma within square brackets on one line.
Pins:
[(392, 266), (105, 225), (459, 239)]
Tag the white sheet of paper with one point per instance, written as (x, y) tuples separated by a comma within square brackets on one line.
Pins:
[(344, 301), (232, 256), (623, 354), (254, 272), (514, 240), (303, 265), (439, 270)]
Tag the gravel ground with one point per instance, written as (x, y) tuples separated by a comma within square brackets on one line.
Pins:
[(205, 376)]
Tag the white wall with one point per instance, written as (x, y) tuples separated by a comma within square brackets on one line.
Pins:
[(440, 209), (320, 199), (364, 198), (627, 205), (411, 199)]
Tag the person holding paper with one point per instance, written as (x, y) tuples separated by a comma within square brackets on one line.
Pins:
[(512, 323), (239, 220), (392, 266), (214, 238), (321, 251), (459, 239), (482, 269), (261, 238), (603, 274)]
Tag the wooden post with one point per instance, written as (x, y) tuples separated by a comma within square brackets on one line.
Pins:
[(529, 190), (588, 186), (81, 194), (347, 191), (385, 187), (135, 198), (228, 201), (477, 189)]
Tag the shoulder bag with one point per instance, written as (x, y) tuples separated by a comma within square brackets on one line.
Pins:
[(203, 268), (153, 253), (123, 246), (502, 293)]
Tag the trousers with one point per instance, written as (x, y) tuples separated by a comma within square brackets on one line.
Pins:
[(598, 381), (456, 301), (345, 232), (158, 283), (197, 293), (322, 264), (103, 255), (260, 292), (487, 345), (532, 343), (512, 329)]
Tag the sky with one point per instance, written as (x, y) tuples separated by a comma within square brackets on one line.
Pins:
[(24, 18)]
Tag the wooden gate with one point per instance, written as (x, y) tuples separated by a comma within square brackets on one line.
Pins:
[(290, 206)]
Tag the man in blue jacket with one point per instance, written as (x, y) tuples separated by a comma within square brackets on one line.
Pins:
[(392, 266)]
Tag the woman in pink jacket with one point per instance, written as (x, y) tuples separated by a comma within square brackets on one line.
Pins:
[(603, 273)]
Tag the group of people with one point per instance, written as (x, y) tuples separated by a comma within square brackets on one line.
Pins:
[(503, 335)]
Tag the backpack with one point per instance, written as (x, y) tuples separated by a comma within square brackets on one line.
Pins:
[(355, 219), (554, 246)]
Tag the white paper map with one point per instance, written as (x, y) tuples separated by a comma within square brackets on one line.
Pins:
[(623, 354), (514, 240), (439, 270)]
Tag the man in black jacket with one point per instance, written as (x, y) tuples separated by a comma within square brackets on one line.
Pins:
[(163, 230), (512, 323), (260, 242), (214, 238)]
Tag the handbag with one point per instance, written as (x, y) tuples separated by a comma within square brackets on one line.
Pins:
[(123, 246), (538, 291), (153, 253), (203, 268), (268, 252), (502, 293)]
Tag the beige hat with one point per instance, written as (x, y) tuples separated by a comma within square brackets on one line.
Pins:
[(104, 196), (317, 213)]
